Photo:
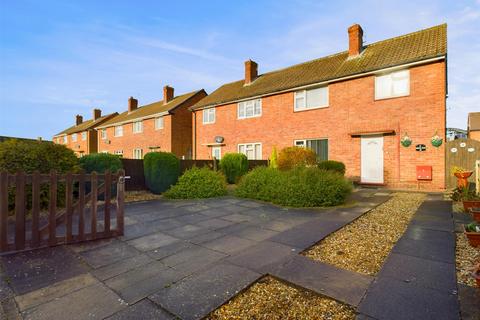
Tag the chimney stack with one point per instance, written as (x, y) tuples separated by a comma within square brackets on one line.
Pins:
[(132, 104), (167, 94), (78, 120), (355, 40), (97, 114), (251, 71)]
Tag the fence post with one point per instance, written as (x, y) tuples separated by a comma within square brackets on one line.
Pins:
[(120, 201), (20, 211), (81, 206), (68, 205), (93, 207), (477, 176), (35, 209), (3, 210), (214, 164), (52, 209), (106, 208)]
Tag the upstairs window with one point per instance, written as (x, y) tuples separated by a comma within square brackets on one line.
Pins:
[(118, 131), (137, 127), (74, 137), (103, 134), (311, 99), (84, 136), (249, 109), (208, 115), (395, 84), (159, 123)]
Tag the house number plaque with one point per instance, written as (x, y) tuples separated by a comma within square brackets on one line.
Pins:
[(420, 147)]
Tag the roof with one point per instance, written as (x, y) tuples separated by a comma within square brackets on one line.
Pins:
[(421, 45), (151, 109), (474, 121), (86, 125)]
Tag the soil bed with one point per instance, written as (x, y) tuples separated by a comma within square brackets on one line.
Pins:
[(273, 300), (133, 196), (363, 245)]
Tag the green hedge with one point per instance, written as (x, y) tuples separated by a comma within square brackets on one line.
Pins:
[(101, 162), (299, 187), (332, 165), (198, 183), (161, 171), (234, 166)]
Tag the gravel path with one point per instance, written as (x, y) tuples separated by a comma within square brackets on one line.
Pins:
[(270, 299), (363, 245), (466, 257)]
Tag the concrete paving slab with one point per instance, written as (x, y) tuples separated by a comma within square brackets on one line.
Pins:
[(145, 310), (469, 302), (152, 241), (255, 233), (108, 254), (215, 224), (187, 231), (428, 250), (212, 235), (192, 259), (192, 218), (119, 267), (170, 249), (229, 244), (237, 217)]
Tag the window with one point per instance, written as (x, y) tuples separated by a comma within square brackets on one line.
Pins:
[(208, 115), (74, 137), (103, 134), (84, 136), (253, 151), (395, 84), (137, 154), (320, 146), (137, 127), (217, 153), (311, 99), (159, 123), (65, 139), (118, 153), (249, 109), (118, 131)]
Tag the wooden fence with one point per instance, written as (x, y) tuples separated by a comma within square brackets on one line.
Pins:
[(82, 218), (462, 153)]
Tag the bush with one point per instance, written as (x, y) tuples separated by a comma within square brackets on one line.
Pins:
[(292, 157), (332, 165), (234, 166), (198, 183), (101, 162), (299, 187), (273, 159), (161, 171)]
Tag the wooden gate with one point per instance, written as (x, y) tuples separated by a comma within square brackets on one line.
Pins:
[(31, 217), (462, 153)]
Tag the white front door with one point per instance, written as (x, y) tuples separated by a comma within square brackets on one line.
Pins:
[(372, 159), (217, 153)]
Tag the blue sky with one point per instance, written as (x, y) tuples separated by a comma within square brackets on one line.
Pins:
[(62, 58)]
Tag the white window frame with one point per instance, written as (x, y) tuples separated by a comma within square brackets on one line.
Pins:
[(207, 115), (302, 94), (392, 76), (242, 114), (137, 150), (120, 131), (65, 139), (302, 143), (84, 136), (219, 149), (159, 123), (74, 137), (118, 152), (244, 145), (137, 126), (103, 134)]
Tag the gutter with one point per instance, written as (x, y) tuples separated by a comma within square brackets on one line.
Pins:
[(358, 75)]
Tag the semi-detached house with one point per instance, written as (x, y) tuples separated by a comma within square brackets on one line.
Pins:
[(164, 125), (354, 106)]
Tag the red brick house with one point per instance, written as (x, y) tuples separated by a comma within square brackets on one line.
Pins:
[(164, 125), (473, 126), (82, 137), (354, 106)]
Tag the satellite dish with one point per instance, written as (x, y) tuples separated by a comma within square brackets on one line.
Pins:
[(219, 139)]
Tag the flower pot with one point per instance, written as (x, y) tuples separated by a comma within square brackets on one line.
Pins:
[(462, 178), (470, 204), (473, 238), (475, 213)]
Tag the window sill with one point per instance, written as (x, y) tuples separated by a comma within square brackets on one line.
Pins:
[(308, 109), (246, 118), (390, 98)]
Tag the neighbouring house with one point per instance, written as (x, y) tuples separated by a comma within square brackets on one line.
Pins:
[(473, 127), (165, 125), (354, 106), (82, 137), (455, 133)]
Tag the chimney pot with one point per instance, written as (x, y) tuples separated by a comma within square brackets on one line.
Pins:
[(167, 94), (132, 104), (355, 40), (97, 114), (251, 71), (78, 119)]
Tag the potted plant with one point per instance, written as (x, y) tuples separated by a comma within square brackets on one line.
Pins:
[(476, 273), (470, 199), (406, 141), (436, 140), (462, 176), (475, 213), (472, 231)]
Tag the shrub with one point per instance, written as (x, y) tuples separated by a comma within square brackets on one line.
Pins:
[(292, 157), (161, 170), (273, 159), (198, 183), (298, 187), (332, 165), (234, 166), (101, 162)]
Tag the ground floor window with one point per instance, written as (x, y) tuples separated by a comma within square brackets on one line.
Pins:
[(253, 151), (118, 153), (320, 146), (217, 153), (137, 154)]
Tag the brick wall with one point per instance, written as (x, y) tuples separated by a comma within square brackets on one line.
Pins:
[(80, 147), (352, 108)]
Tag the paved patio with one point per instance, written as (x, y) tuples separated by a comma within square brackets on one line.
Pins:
[(186, 258)]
